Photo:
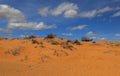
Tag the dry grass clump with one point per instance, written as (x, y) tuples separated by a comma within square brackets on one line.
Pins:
[(44, 58), (34, 41), (17, 51), (115, 53), (117, 44), (24, 58), (60, 53), (65, 45), (53, 42), (14, 52)]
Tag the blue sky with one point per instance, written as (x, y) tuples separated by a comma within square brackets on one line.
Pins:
[(71, 19)]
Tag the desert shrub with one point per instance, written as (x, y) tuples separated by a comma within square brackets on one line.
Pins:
[(65, 45), (86, 39), (93, 42), (42, 46), (50, 36), (53, 42), (76, 42), (117, 44), (68, 41), (59, 53), (35, 42), (15, 52)]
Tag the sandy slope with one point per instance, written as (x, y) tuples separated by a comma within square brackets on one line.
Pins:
[(51, 57)]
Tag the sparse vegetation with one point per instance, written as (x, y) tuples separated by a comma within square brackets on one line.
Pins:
[(24, 58), (30, 37), (65, 45), (76, 42), (69, 41), (86, 39), (60, 53), (44, 57), (34, 41), (93, 42), (117, 44), (50, 36), (53, 42), (16, 52)]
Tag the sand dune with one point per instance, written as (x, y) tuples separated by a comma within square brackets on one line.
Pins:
[(58, 57)]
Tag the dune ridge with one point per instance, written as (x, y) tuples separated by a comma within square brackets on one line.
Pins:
[(58, 57)]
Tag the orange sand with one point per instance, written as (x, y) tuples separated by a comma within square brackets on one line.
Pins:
[(46, 59)]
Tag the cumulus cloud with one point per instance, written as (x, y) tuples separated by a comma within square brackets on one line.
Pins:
[(116, 14), (118, 35), (63, 8), (71, 14), (68, 10), (80, 27), (12, 14), (30, 25), (44, 11), (67, 34), (16, 19), (90, 33)]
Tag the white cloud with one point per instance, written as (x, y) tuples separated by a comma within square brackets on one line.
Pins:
[(44, 11), (16, 19), (116, 14), (12, 14), (67, 34), (63, 8), (22, 36), (70, 14), (102, 39), (5, 30), (90, 33), (94, 13), (80, 27), (89, 14), (105, 9), (70, 10), (118, 35), (33, 26)]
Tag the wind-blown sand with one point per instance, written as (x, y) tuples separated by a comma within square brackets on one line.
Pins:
[(57, 57)]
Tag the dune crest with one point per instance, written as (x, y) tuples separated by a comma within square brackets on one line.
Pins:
[(58, 57)]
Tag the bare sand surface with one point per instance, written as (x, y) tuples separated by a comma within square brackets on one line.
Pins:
[(58, 57)]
